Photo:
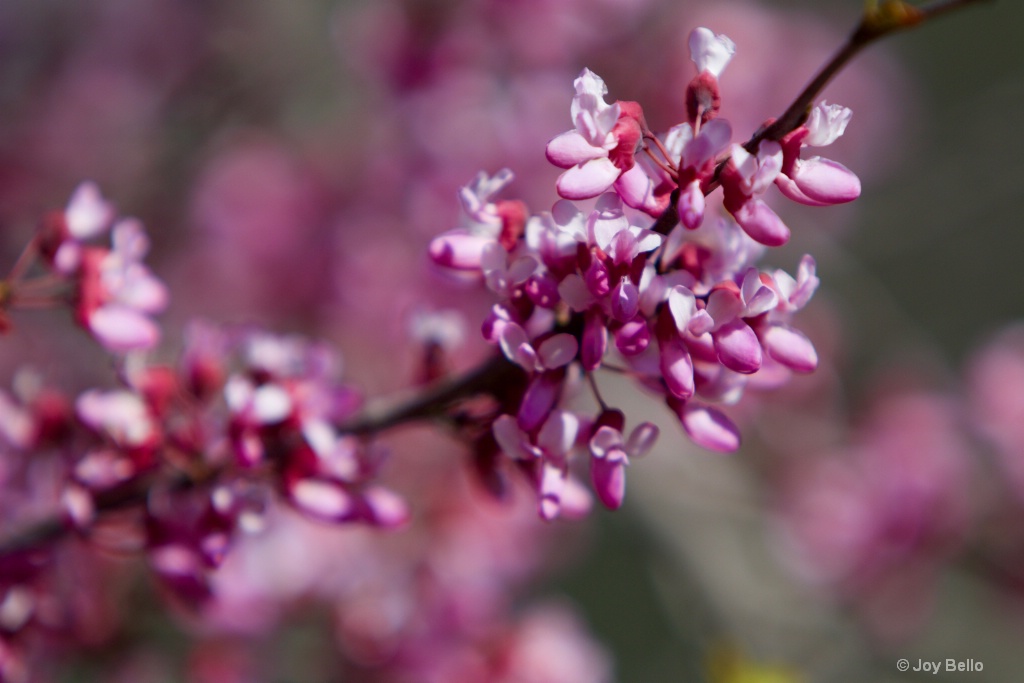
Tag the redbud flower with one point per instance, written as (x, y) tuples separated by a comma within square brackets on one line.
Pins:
[(118, 293), (86, 216), (610, 455), (483, 222), (710, 53), (817, 181), (603, 144), (748, 175)]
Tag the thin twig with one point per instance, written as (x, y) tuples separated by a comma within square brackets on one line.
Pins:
[(487, 378), (873, 26)]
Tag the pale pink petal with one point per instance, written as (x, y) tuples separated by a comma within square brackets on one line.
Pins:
[(17, 425), (121, 328), (633, 338), (691, 205), (141, 290), (559, 433), (458, 250), (759, 171), (701, 323), (477, 195), (321, 499), (175, 559), (676, 139), (682, 305), (826, 181), (709, 428), (78, 506), (642, 439), (558, 350), (713, 139), (271, 404), (624, 248), (552, 483), (576, 501), (521, 269), (826, 123), (724, 305), (513, 442), (570, 149), (759, 298), (791, 190), (676, 367), (128, 239), (604, 440), (710, 52), (807, 282), (515, 344), (588, 180), (574, 292), (625, 300), (761, 223), (608, 475), (386, 508), (790, 347), (67, 258), (646, 240), (635, 187), (104, 469), (87, 213), (493, 257), (605, 222)]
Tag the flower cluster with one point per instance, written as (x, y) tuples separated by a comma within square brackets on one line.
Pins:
[(648, 278), (113, 292), (206, 445)]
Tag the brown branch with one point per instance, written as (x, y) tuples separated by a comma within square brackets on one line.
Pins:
[(489, 378), (37, 534), (890, 17)]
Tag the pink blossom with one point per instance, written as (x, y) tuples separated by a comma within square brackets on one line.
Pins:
[(602, 146), (484, 222), (817, 181), (746, 176), (610, 454)]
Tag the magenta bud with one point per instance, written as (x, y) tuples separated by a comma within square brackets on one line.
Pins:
[(691, 205), (708, 427), (790, 347), (594, 341), (458, 250), (761, 223), (596, 278), (676, 366), (608, 475), (633, 337), (738, 347), (540, 399)]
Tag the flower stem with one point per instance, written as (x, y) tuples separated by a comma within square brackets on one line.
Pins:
[(889, 17), (488, 378)]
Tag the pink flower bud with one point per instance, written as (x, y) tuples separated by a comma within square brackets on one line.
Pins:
[(738, 347), (708, 427)]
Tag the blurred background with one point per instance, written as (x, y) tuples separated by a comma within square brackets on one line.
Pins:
[(292, 160)]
